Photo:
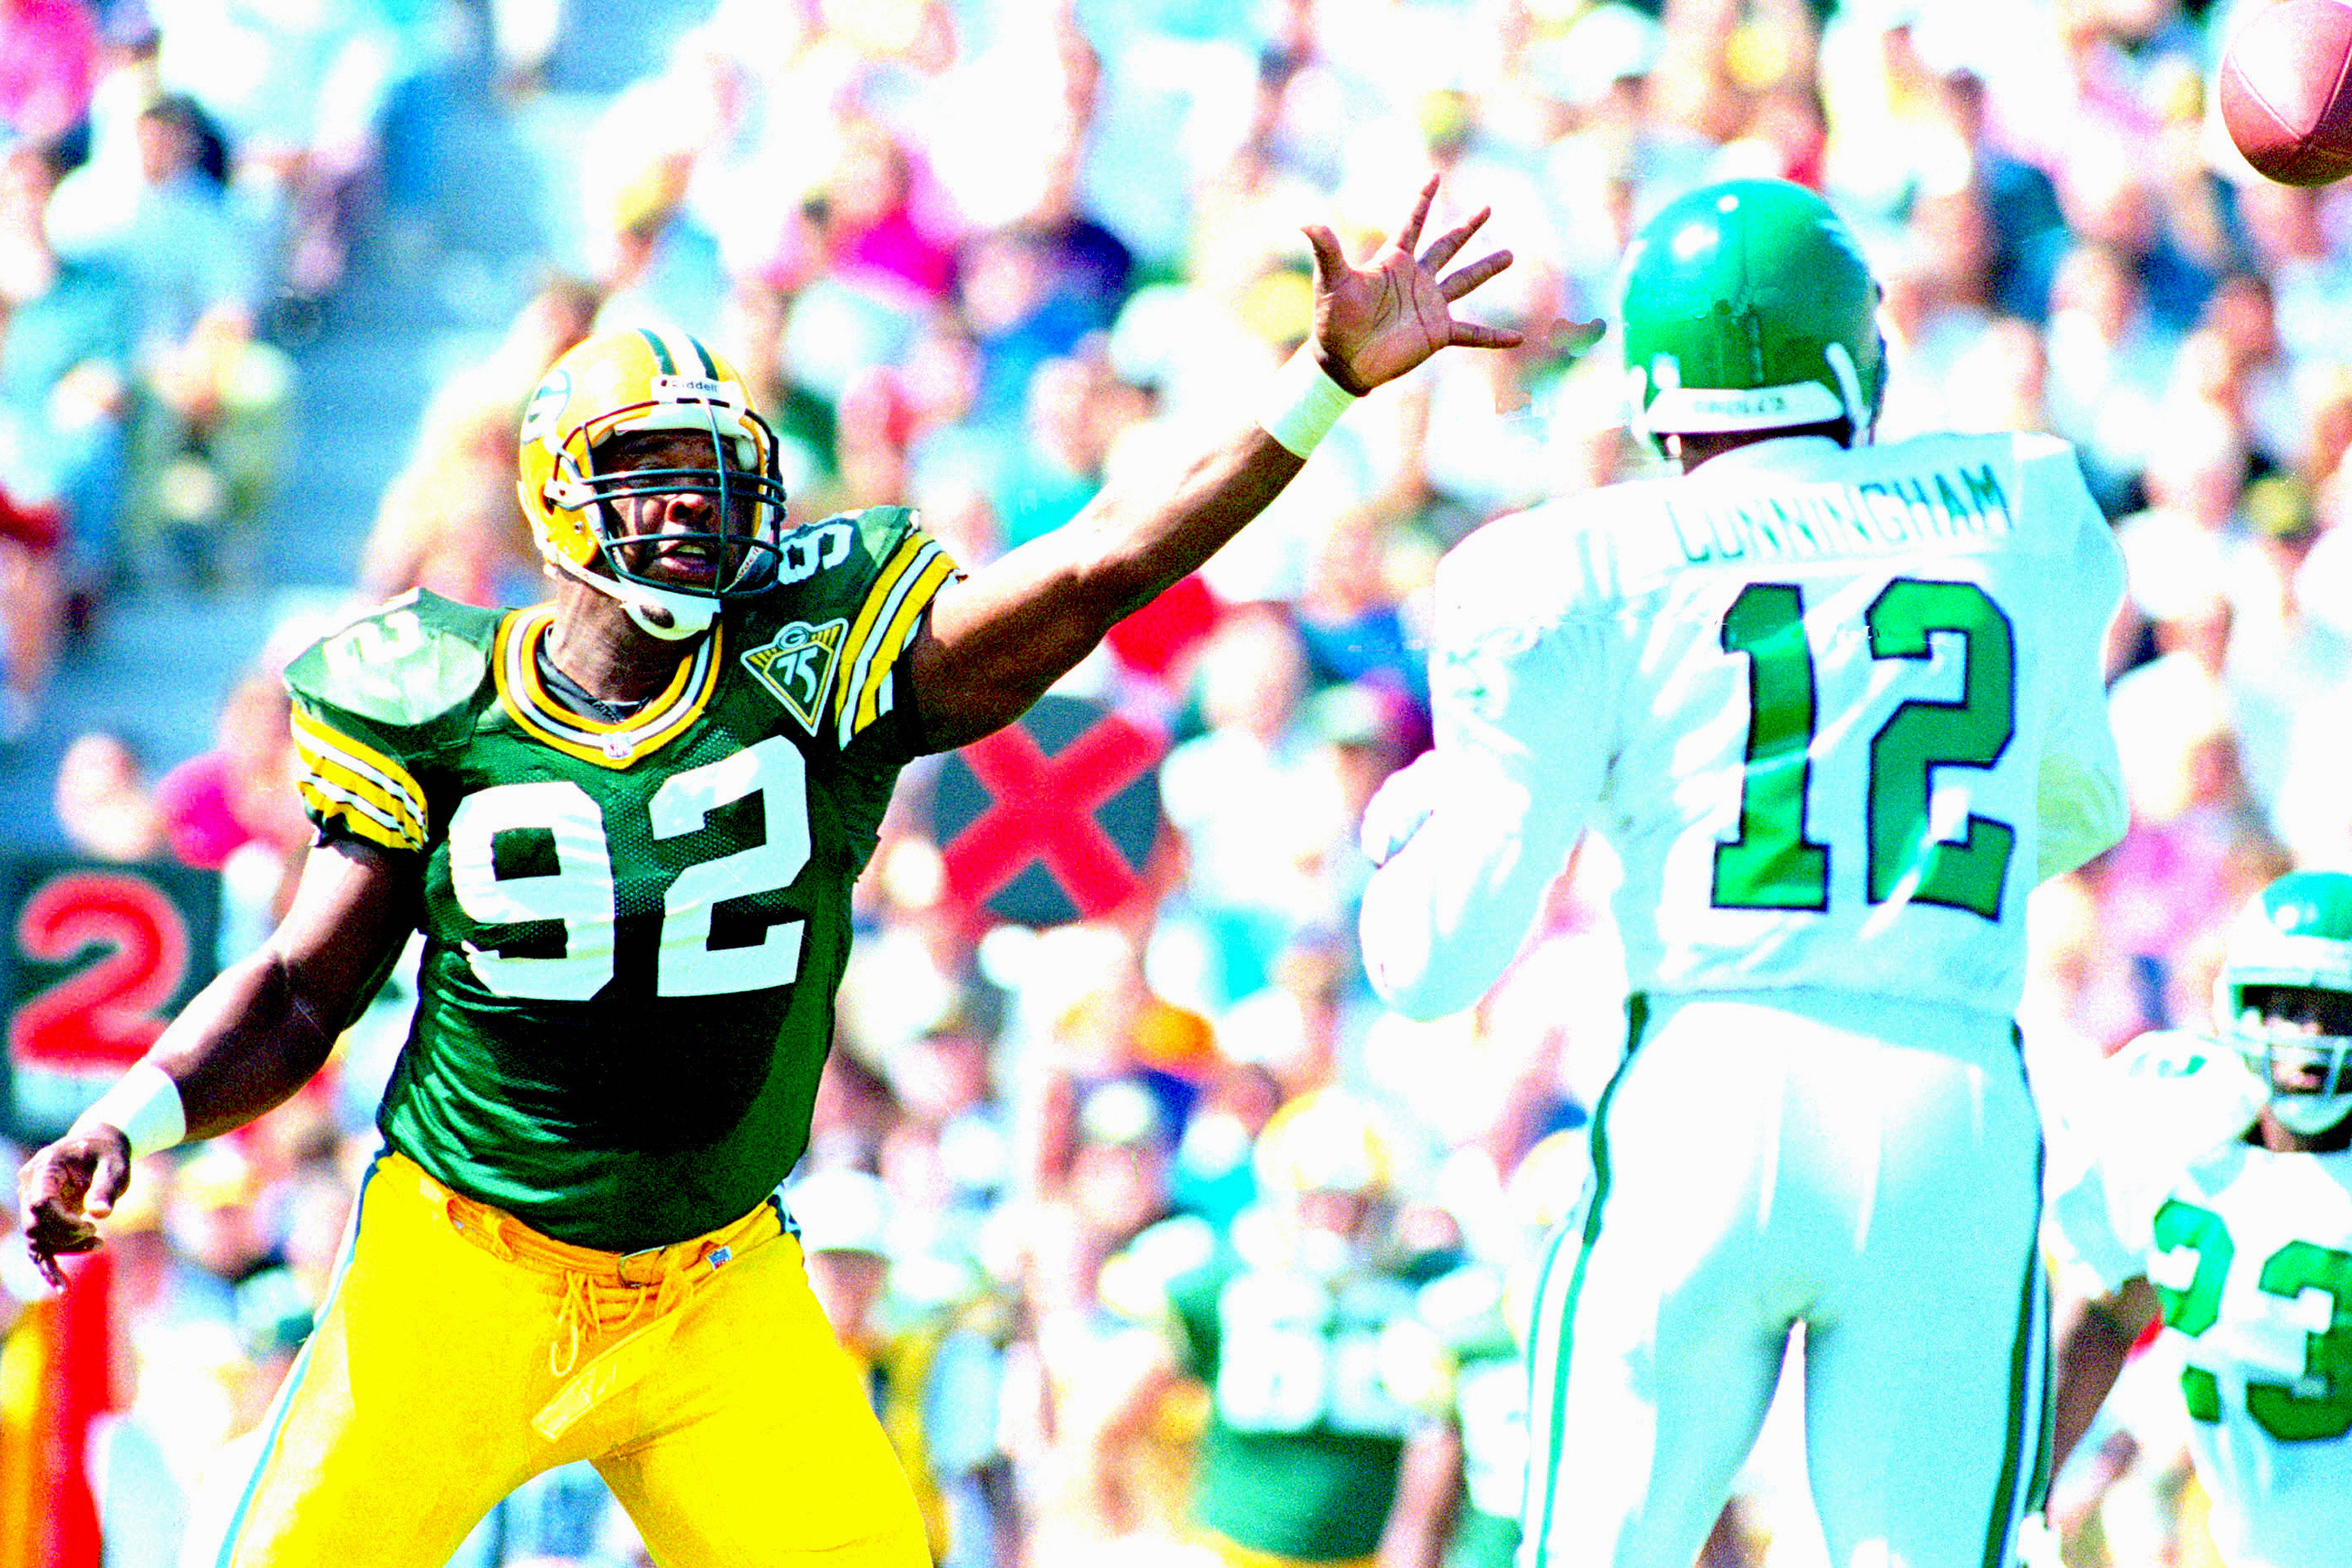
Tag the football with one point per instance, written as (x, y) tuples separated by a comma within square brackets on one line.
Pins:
[(2284, 94)]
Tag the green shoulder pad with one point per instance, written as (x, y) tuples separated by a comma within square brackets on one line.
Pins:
[(402, 666), (369, 703)]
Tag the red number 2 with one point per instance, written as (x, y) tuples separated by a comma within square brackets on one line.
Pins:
[(105, 1014)]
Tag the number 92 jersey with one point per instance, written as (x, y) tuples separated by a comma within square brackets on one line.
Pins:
[(633, 931), (2250, 1254)]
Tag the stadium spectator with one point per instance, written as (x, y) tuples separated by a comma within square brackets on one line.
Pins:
[(48, 66), (64, 364), (208, 429)]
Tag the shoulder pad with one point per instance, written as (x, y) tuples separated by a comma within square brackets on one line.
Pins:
[(2178, 1091), (856, 584), (402, 665)]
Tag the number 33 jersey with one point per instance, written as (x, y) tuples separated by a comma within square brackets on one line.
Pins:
[(633, 931), (2250, 1254), (1836, 711)]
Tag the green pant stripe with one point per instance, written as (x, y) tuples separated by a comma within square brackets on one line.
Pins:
[(2028, 1378), (1637, 1013), (285, 1400)]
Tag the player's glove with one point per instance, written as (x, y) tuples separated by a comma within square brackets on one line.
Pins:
[(1399, 807)]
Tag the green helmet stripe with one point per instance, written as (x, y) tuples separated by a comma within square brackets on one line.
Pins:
[(661, 350)]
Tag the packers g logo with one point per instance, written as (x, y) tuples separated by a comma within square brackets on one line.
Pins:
[(538, 416), (797, 666)]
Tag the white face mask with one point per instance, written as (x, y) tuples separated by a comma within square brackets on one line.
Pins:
[(2309, 1115)]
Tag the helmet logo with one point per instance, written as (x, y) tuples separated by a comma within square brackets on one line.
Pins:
[(539, 415)]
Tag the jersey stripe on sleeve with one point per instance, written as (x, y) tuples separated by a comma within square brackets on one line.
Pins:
[(377, 798), (886, 621)]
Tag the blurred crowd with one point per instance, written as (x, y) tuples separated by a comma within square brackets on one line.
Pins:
[(979, 255), (178, 181)]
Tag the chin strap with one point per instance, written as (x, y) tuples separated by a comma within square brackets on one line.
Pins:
[(658, 613)]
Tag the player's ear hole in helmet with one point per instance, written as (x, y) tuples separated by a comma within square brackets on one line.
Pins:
[(618, 431), (1745, 306), (2283, 997)]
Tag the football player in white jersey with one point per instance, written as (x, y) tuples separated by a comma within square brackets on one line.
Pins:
[(1838, 708), (2214, 1189)]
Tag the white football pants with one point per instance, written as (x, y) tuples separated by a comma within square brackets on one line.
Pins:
[(1868, 1167)]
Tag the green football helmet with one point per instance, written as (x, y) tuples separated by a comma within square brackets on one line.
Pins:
[(1747, 305), (2286, 991)]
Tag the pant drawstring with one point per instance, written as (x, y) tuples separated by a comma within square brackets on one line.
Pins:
[(579, 1313)]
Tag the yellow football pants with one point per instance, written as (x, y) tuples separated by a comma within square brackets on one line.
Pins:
[(460, 1352)]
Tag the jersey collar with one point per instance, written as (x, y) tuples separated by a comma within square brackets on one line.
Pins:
[(615, 745)]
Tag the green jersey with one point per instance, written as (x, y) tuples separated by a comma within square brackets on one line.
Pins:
[(1468, 1312), (633, 931), (1304, 1433)]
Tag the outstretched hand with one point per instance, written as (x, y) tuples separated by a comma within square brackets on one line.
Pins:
[(66, 1188), (1375, 322)]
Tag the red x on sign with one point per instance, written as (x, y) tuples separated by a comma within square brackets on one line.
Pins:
[(1051, 819)]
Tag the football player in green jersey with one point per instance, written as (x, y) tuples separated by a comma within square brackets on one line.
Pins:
[(1298, 1324), (626, 824)]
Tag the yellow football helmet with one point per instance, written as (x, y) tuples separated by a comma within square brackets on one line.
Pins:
[(1326, 1168), (638, 379), (1326, 1140)]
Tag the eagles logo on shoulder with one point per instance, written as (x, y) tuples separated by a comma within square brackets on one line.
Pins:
[(796, 665)]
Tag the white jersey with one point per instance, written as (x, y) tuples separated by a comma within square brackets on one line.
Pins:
[(1836, 711), (2251, 1253)]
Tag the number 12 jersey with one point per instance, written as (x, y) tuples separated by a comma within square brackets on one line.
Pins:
[(1836, 711)]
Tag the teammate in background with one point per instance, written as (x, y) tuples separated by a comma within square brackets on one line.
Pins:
[(2214, 1189), (1837, 707), (627, 824), (1293, 1323)]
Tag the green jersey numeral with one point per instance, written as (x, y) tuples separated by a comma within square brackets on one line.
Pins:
[(2185, 1227), (1774, 863), (2294, 1417), (2280, 1409)]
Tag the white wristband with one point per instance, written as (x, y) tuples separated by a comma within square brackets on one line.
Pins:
[(146, 1106), (1303, 403)]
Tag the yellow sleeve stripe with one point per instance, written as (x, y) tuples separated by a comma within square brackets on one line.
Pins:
[(864, 644), (348, 771), (877, 597), (897, 634), (325, 803)]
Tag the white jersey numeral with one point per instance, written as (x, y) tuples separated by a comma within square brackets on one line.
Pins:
[(579, 888)]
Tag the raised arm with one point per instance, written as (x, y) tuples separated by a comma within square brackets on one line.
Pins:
[(248, 1042), (996, 642)]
